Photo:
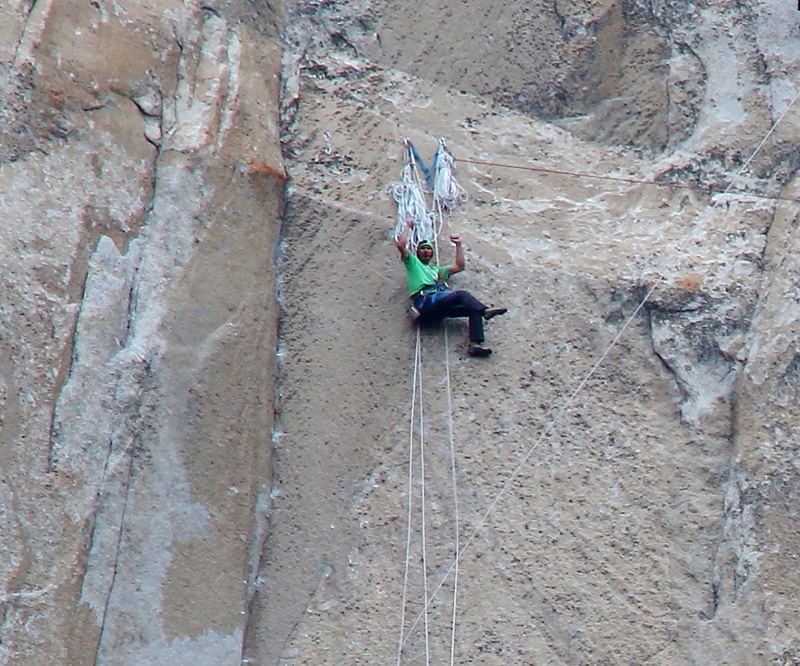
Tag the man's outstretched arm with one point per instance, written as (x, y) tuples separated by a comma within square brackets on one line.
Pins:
[(459, 263), (402, 239)]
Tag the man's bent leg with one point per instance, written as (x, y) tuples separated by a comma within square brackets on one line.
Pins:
[(476, 327), (463, 304)]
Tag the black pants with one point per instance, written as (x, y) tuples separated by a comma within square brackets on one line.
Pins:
[(442, 304)]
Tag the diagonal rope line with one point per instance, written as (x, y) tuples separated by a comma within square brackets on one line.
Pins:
[(761, 145), (551, 425), (548, 429)]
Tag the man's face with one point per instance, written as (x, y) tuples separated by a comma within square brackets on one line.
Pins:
[(425, 253)]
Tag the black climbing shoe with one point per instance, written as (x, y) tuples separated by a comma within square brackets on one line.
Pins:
[(493, 312), (477, 351)]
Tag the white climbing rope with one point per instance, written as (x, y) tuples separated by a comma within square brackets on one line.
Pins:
[(409, 193), (758, 148), (423, 531), (454, 482), (404, 600), (447, 193), (453, 466), (416, 402)]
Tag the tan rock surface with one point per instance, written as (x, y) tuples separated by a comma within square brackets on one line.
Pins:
[(176, 492), (143, 188), (619, 497)]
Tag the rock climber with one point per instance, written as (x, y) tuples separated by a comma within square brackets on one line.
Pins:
[(433, 299)]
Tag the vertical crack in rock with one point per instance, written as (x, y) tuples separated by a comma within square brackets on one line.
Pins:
[(32, 32), (685, 85), (737, 554), (562, 20), (256, 559), (86, 421), (702, 341), (150, 103), (208, 85), (757, 534), (81, 425), (230, 99), (134, 398), (115, 567)]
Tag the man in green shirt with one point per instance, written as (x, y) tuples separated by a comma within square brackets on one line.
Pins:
[(431, 296)]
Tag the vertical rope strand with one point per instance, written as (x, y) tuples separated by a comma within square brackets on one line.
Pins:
[(422, 517), (404, 599), (454, 480), (453, 466)]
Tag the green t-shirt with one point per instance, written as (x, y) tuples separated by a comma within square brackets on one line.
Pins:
[(419, 275)]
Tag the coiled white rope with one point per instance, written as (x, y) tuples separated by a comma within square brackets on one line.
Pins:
[(409, 193), (447, 193)]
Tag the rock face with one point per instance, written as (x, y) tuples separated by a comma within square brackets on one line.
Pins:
[(212, 420), (625, 463), (143, 188)]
